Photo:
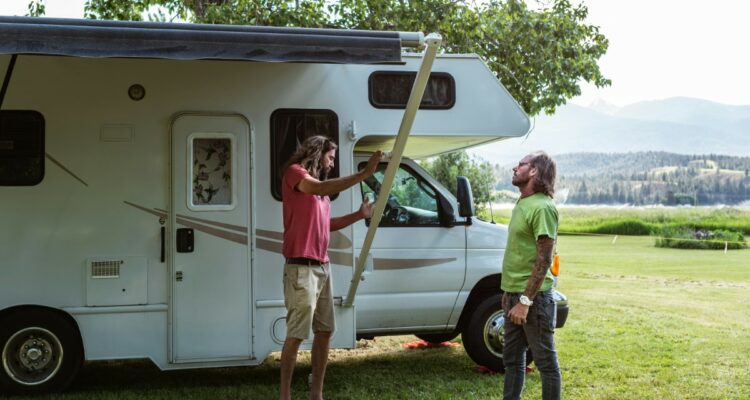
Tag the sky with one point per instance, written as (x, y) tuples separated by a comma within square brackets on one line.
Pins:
[(658, 48)]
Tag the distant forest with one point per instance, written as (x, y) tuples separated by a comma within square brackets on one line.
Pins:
[(644, 178)]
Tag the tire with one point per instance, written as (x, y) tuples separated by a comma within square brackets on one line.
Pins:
[(484, 338), (437, 338), (40, 352)]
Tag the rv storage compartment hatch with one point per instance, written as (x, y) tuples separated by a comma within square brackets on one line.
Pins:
[(116, 281)]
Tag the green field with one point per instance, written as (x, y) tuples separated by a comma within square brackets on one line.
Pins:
[(645, 323), (642, 220)]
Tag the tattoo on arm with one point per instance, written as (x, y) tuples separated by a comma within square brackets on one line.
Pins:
[(544, 245)]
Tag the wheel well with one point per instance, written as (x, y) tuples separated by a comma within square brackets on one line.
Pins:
[(44, 309), (486, 287)]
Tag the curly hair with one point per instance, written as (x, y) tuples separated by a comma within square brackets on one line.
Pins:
[(310, 155), (544, 181)]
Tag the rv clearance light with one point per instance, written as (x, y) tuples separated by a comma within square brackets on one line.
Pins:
[(136, 92)]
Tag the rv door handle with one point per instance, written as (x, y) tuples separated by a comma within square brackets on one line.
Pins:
[(163, 240)]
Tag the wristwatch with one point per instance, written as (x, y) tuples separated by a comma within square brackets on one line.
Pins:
[(525, 300)]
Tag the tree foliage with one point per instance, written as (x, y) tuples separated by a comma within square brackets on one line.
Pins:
[(37, 8), (540, 54), (447, 167)]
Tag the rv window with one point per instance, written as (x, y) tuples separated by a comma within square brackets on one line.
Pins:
[(412, 202), (289, 128), (391, 89), (212, 172), (21, 148)]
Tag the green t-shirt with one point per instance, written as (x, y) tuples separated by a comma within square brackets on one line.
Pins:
[(532, 217)]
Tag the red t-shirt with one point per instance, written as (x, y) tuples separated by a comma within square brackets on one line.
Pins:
[(307, 218)]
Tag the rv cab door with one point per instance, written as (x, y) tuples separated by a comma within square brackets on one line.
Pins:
[(418, 264)]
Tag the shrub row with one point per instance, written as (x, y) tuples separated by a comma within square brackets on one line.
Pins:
[(688, 238)]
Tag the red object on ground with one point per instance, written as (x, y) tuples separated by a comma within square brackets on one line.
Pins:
[(421, 344)]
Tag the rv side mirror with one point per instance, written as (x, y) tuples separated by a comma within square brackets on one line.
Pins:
[(465, 197)]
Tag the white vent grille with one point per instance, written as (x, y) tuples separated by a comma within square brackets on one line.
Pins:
[(105, 269)]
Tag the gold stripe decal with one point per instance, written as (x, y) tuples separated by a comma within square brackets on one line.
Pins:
[(270, 234), (157, 213), (59, 164), (234, 237), (338, 239), (214, 223), (406, 263), (263, 244)]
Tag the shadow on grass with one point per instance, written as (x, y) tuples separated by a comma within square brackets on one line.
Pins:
[(376, 373)]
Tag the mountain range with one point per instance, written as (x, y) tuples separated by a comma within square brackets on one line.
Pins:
[(676, 125)]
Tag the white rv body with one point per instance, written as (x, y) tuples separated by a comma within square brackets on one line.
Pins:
[(87, 240)]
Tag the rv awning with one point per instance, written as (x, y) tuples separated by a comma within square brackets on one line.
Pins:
[(100, 39)]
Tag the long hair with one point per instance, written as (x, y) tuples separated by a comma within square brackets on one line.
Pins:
[(544, 181), (310, 154)]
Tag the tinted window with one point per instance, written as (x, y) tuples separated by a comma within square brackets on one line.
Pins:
[(289, 128), (391, 89), (21, 148)]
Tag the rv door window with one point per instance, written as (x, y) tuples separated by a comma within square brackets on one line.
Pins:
[(289, 128), (21, 148), (391, 89), (412, 201), (212, 168)]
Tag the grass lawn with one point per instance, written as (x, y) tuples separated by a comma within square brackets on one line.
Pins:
[(645, 323)]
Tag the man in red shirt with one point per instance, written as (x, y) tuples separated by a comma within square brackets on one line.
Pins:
[(307, 226)]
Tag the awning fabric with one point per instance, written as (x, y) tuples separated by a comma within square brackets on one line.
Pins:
[(178, 41)]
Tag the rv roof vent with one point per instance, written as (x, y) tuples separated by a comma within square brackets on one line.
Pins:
[(105, 269)]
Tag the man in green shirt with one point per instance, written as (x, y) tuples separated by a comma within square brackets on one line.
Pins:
[(527, 282)]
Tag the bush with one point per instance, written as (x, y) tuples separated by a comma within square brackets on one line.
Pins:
[(624, 227), (690, 238)]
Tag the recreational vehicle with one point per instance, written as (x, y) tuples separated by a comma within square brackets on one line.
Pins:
[(140, 170)]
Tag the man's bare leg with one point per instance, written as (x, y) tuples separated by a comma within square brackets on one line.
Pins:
[(288, 360), (320, 346)]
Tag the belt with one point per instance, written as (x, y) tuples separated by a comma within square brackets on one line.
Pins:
[(304, 261)]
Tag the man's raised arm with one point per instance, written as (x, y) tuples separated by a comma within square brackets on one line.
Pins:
[(328, 187)]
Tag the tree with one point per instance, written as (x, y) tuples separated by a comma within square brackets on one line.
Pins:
[(447, 167), (540, 54)]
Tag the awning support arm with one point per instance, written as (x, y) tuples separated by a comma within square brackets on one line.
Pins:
[(6, 80), (433, 41)]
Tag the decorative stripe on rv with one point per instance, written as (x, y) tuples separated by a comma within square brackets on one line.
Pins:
[(271, 241)]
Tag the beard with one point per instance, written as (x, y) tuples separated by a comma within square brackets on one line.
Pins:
[(324, 173), (519, 181)]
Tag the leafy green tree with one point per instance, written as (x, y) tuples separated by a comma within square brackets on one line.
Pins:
[(37, 8), (447, 167)]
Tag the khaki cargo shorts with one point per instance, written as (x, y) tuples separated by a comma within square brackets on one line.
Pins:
[(308, 299)]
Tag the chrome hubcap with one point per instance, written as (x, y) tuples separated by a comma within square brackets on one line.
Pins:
[(32, 356), (493, 333)]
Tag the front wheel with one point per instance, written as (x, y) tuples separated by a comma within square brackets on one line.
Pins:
[(41, 352), (484, 337)]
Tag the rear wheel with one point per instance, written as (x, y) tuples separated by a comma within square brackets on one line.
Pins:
[(436, 338), (40, 352)]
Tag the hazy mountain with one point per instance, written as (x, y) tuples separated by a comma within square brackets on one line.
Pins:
[(647, 178), (675, 125)]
